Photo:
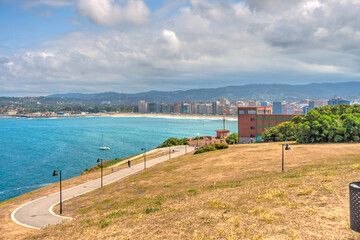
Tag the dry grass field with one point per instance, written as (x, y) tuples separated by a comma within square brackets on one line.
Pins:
[(9, 229), (237, 193)]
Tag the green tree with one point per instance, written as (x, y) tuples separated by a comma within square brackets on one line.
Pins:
[(282, 132), (232, 138)]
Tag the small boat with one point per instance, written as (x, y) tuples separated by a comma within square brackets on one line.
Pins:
[(102, 146)]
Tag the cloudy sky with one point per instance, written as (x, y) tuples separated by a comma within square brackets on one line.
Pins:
[(58, 46)]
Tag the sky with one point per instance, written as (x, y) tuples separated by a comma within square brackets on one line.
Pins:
[(88, 46)]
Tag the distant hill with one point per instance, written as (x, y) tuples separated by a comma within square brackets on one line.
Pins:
[(271, 92)]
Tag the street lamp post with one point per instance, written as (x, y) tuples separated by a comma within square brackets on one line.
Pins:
[(197, 144), (144, 150), (170, 152), (101, 166), (55, 174), (287, 147)]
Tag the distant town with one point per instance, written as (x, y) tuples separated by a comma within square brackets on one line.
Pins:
[(47, 107), (224, 105)]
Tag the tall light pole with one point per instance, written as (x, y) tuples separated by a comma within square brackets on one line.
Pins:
[(197, 144), (55, 174), (101, 166), (144, 150), (286, 148), (170, 152)]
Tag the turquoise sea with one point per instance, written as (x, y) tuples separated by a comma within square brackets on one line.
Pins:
[(31, 149)]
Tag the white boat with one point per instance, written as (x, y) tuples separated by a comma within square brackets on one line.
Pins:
[(102, 146)]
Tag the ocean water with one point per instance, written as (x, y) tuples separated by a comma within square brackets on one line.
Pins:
[(31, 149)]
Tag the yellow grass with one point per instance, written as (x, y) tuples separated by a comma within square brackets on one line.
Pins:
[(237, 193), (9, 229)]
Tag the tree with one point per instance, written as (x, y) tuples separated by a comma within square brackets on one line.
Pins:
[(282, 132), (327, 124), (232, 138)]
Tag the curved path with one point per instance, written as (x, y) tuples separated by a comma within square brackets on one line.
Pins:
[(38, 213)]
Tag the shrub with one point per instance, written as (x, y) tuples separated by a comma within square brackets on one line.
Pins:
[(174, 142), (207, 148), (232, 138), (219, 146)]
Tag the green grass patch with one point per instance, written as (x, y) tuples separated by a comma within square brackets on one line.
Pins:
[(115, 214), (151, 209), (293, 175), (192, 192), (84, 210), (305, 192), (293, 185)]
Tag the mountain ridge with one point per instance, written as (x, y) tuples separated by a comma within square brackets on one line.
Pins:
[(270, 92)]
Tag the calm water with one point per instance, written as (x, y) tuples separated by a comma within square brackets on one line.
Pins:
[(31, 149)]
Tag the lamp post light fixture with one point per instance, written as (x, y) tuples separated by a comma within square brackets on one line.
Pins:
[(55, 173), (101, 166), (197, 144), (287, 147), (144, 150), (170, 152)]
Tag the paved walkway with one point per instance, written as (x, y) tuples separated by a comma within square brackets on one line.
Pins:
[(38, 213)]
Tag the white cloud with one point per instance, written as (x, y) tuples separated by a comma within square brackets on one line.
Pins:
[(201, 44), (110, 12), (172, 40)]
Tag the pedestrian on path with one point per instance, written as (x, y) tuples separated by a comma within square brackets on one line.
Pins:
[(129, 163)]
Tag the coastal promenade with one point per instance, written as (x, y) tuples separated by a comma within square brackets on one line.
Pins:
[(38, 213)]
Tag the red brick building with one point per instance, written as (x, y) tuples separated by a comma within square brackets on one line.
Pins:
[(208, 140), (253, 121)]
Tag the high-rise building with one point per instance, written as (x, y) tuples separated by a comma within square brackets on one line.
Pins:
[(205, 108), (337, 101), (224, 101), (142, 106), (195, 108), (164, 108), (264, 104), (215, 107), (317, 103), (305, 110), (287, 109), (186, 107), (277, 108), (153, 108)]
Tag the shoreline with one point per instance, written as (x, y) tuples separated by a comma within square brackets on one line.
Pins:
[(149, 115)]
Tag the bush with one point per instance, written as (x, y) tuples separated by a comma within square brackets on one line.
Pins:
[(184, 141), (219, 146), (207, 148), (232, 138), (174, 142)]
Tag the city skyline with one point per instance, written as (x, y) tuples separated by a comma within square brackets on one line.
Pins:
[(60, 46)]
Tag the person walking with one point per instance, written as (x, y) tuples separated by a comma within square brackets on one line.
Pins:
[(129, 163)]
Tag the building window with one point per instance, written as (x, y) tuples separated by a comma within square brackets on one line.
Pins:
[(252, 128), (261, 111), (252, 119), (252, 135), (252, 112), (242, 111)]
